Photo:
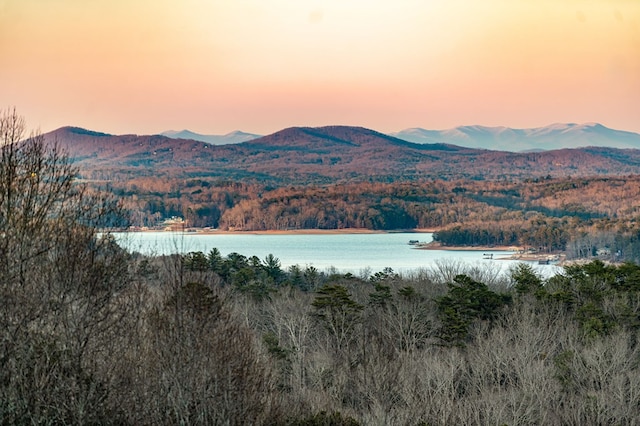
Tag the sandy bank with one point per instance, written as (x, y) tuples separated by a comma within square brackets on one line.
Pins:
[(209, 231), (438, 246), (293, 231)]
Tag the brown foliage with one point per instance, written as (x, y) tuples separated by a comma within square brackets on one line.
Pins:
[(327, 155), (93, 335)]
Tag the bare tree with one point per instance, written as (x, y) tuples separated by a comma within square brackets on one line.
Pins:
[(59, 283)]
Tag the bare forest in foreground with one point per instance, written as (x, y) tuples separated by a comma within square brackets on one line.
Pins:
[(92, 334)]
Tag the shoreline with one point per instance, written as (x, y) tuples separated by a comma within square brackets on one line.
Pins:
[(517, 253), (438, 246), (208, 231), (290, 232)]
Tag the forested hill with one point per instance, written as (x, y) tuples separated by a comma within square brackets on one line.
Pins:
[(582, 200), (303, 155)]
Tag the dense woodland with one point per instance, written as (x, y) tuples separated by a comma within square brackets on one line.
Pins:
[(578, 215), (580, 201), (93, 334)]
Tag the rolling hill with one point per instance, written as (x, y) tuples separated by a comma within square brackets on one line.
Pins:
[(325, 155)]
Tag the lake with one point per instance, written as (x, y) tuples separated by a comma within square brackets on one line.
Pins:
[(345, 252)]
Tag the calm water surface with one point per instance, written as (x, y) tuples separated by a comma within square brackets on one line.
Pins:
[(353, 253)]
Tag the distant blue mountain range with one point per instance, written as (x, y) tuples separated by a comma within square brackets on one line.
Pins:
[(554, 136), (229, 138)]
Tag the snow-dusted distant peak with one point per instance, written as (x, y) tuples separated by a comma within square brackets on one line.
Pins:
[(553, 136)]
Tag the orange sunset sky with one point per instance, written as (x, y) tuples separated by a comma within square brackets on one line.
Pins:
[(214, 66)]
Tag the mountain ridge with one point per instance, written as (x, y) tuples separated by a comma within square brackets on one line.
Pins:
[(497, 138), (550, 137), (326, 155), (237, 136)]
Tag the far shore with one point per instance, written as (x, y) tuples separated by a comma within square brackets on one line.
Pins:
[(212, 231), (290, 231)]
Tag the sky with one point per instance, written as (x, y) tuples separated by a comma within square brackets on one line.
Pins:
[(215, 66)]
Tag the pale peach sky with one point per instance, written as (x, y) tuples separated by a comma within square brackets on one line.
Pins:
[(213, 66)]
